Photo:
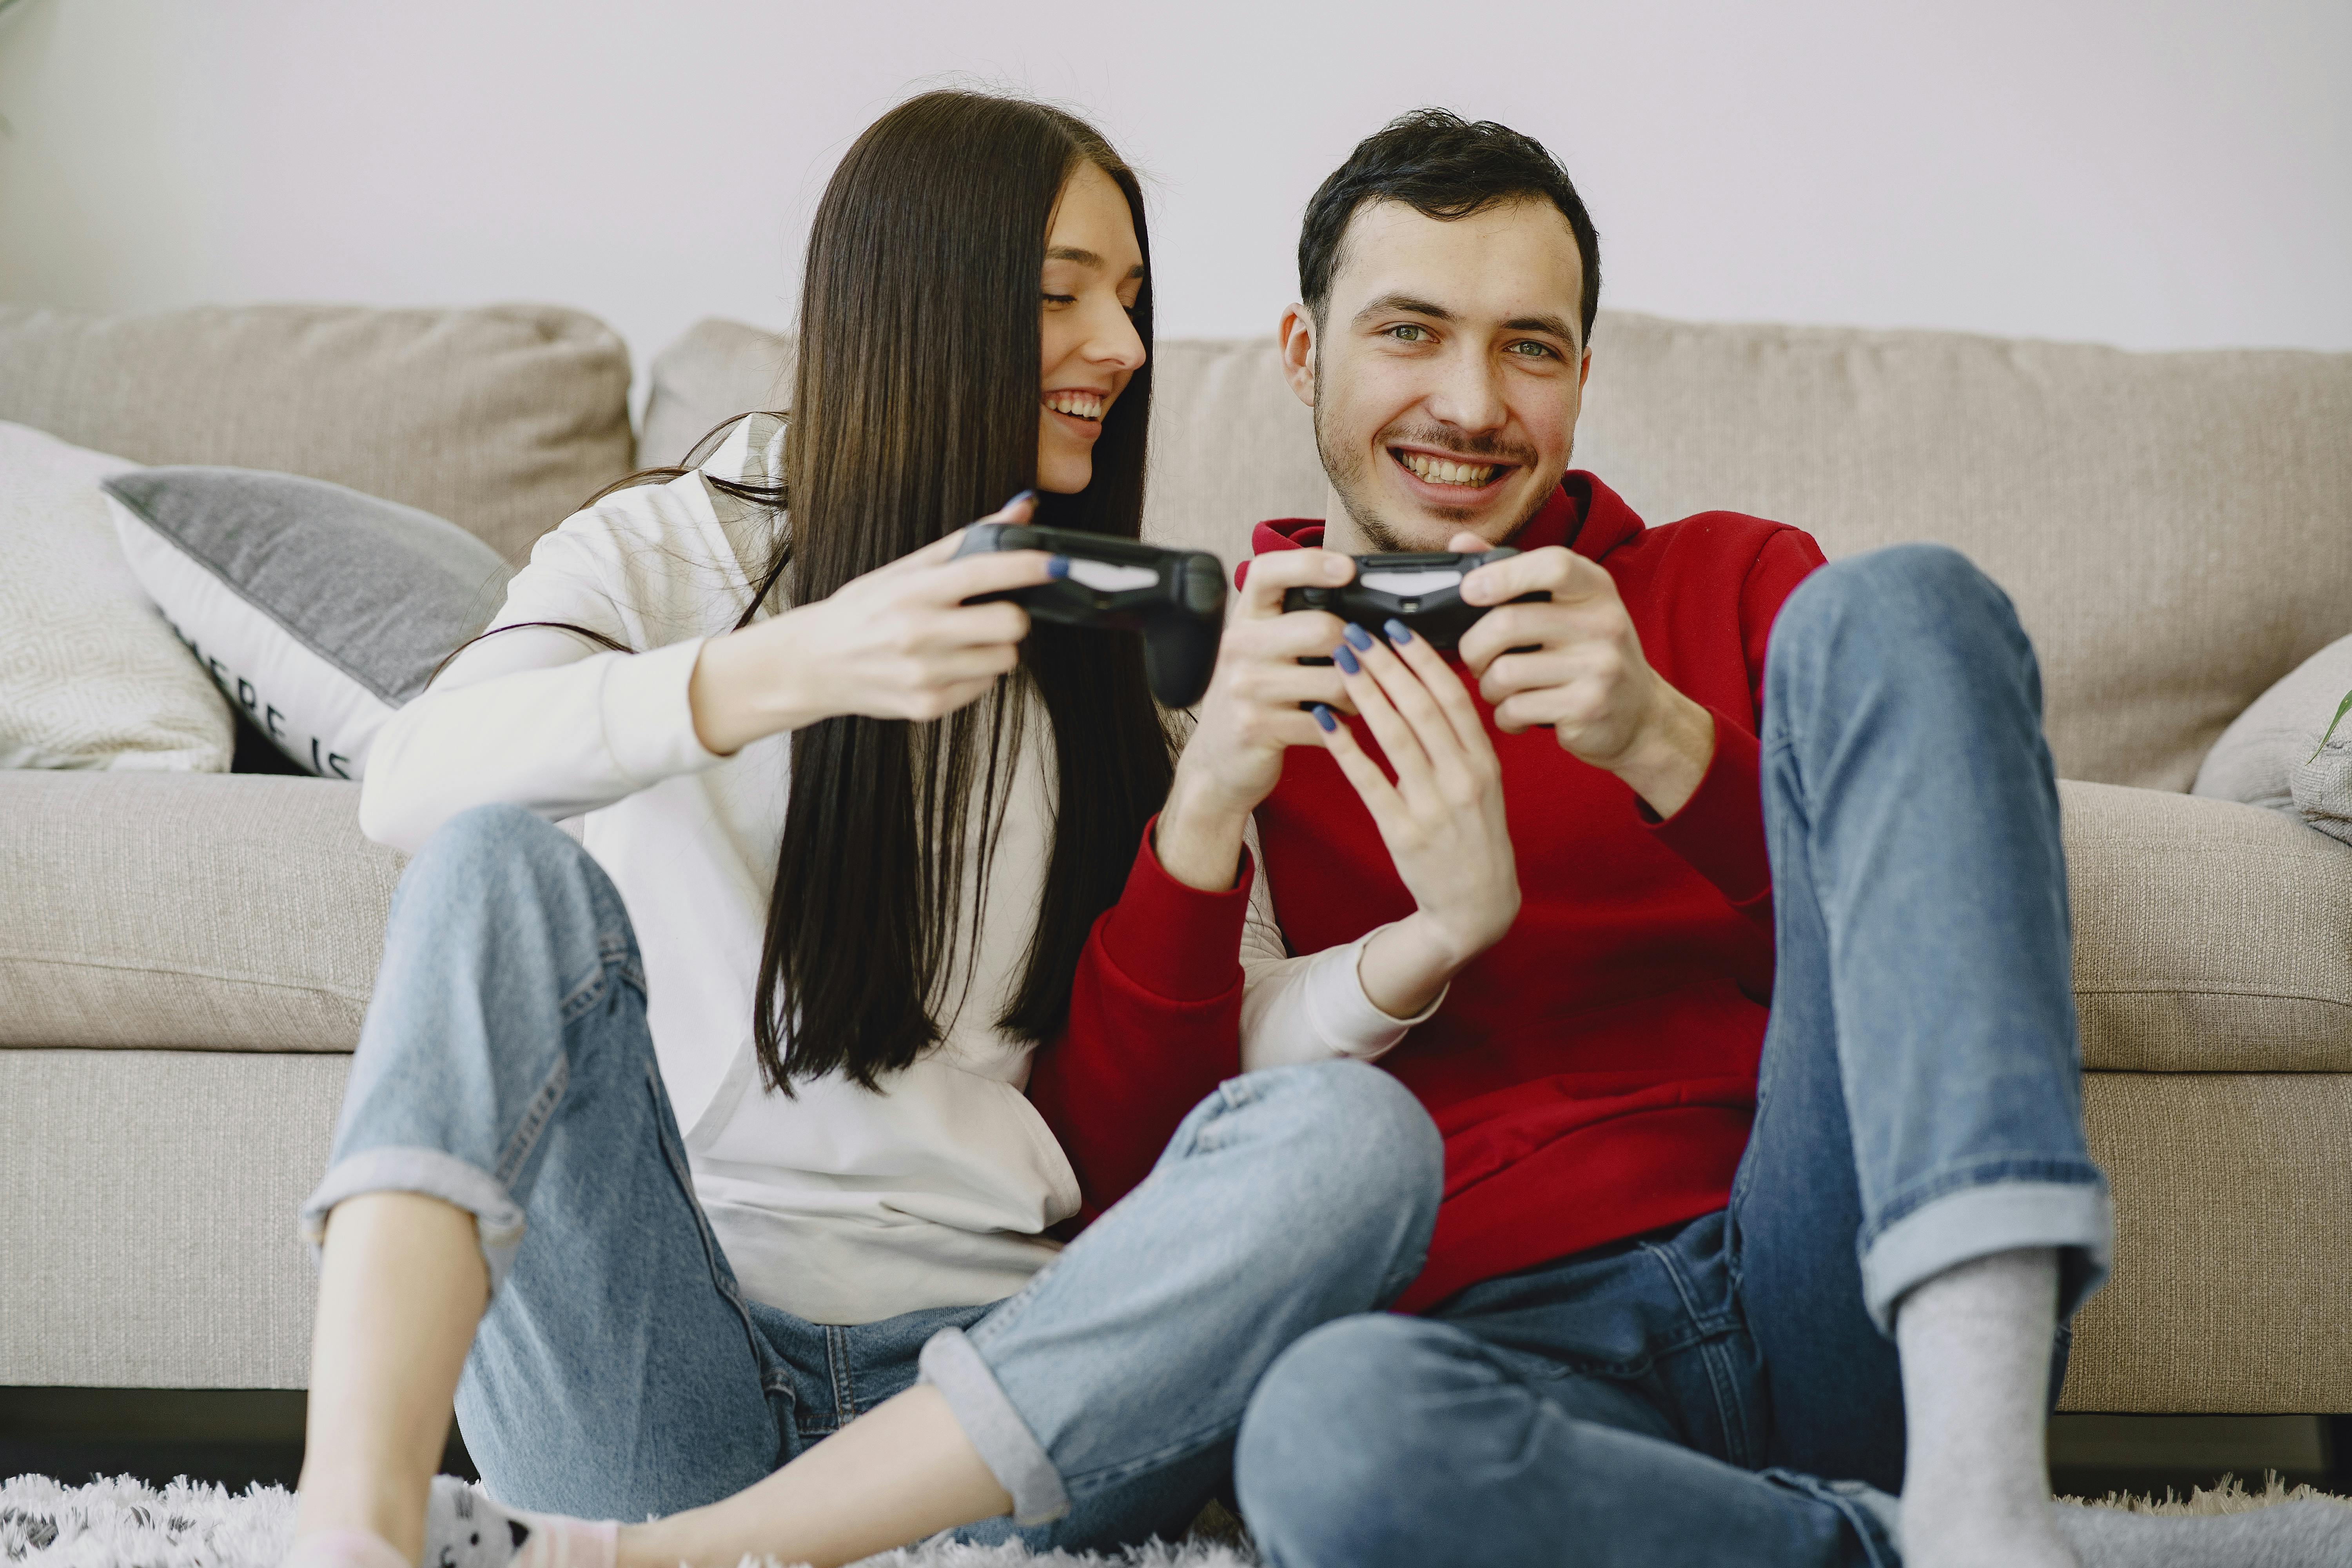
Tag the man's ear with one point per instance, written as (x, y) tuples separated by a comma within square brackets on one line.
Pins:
[(1584, 372), (1296, 338)]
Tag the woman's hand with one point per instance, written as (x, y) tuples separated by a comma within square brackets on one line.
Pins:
[(897, 643), (1254, 710), (1441, 818)]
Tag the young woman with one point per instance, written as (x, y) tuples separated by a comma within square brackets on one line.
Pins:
[(670, 1150)]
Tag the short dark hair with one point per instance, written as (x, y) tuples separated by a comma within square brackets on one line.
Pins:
[(1445, 167)]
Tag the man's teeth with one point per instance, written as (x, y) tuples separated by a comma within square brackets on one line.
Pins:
[(1438, 472), (1081, 405)]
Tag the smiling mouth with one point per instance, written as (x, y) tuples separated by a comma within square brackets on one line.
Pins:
[(1086, 406), (1448, 473)]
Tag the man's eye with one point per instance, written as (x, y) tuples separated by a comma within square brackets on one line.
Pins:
[(1407, 333), (1533, 350)]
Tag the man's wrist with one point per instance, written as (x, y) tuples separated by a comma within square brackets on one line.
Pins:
[(1198, 840), (1670, 754)]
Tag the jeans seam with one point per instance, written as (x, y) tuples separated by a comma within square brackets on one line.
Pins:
[(674, 1156), (1717, 1375), (535, 1118)]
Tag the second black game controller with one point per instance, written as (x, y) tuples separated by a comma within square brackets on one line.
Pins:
[(1422, 590), (1176, 598)]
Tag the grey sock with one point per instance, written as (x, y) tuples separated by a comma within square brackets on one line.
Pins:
[(2308, 1534), (464, 1528)]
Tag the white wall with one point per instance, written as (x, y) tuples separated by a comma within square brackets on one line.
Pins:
[(2153, 175)]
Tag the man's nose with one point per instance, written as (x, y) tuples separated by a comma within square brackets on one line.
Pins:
[(1469, 395)]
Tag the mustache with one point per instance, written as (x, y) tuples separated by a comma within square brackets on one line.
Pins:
[(1480, 449)]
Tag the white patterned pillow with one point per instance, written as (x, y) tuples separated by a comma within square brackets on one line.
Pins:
[(2292, 750), (90, 676)]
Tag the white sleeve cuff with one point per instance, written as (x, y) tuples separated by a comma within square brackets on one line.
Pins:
[(648, 719), (1343, 1016)]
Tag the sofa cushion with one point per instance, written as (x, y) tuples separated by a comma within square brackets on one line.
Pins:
[(2209, 936), (90, 676), (2172, 526), (218, 912), (502, 419), (2169, 525), (318, 610)]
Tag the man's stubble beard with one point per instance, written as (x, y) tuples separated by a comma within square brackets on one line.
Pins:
[(1348, 477)]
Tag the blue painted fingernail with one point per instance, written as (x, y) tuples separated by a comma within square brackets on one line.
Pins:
[(1399, 633), (1016, 500), (1323, 716), (1347, 658), (1059, 567), (1357, 634)]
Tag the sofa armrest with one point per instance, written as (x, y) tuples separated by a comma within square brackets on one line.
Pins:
[(219, 912), (2209, 936)]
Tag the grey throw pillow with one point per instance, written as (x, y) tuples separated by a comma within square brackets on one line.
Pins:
[(2292, 750), (317, 609)]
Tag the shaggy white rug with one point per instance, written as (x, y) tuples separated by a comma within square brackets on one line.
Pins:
[(124, 1524)]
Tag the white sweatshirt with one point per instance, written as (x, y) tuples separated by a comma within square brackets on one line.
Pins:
[(838, 1204)]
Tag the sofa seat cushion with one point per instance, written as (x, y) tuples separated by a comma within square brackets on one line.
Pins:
[(502, 419), (221, 911), (2209, 936)]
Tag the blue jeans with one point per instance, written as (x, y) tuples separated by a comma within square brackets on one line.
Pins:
[(506, 1067), (1728, 1392)]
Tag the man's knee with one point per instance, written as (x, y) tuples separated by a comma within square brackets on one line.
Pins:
[(1903, 592), (1327, 1444)]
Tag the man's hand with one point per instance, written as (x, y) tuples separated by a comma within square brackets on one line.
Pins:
[(1576, 663), (1442, 819), (1251, 715)]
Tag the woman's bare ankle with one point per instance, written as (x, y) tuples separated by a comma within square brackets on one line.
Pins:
[(366, 1498)]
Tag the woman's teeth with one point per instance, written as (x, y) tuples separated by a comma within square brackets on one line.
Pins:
[(1438, 472), (1077, 405)]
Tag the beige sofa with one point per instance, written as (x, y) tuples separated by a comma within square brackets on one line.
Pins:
[(185, 961)]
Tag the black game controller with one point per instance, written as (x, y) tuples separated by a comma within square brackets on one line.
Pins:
[(1176, 598), (1422, 590)]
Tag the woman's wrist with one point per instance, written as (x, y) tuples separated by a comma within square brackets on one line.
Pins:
[(750, 684), (1406, 965)]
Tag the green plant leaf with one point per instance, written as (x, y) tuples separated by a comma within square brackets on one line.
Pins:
[(2341, 709)]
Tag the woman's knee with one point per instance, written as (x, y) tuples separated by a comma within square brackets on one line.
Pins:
[(503, 858)]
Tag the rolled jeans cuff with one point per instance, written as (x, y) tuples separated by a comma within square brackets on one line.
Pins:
[(1997, 1217), (994, 1428), (434, 1173)]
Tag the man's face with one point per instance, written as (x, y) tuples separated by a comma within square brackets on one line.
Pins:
[(1447, 372)]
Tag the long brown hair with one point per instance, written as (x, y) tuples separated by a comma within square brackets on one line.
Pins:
[(914, 408)]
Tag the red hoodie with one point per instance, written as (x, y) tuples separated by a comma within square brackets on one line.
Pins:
[(1594, 1072)]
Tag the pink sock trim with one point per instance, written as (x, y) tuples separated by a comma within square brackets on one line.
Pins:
[(558, 1541), (346, 1549)]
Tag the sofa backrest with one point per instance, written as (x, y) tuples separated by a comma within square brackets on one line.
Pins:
[(501, 419), (2176, 528)]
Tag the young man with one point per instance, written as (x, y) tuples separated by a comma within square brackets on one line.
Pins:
[(1738, 987)]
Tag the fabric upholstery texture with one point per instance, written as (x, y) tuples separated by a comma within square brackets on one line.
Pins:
[(225, 912), (317, 609), (90, 676), (502, 419), (2209, 936), (2232, 1243), (2170, 525), (150, 1197)]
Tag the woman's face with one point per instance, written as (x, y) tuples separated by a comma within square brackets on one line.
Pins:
[(1094, 270)]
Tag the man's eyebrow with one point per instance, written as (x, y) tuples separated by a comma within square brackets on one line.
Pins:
[(1555, 325), (1405, 302)]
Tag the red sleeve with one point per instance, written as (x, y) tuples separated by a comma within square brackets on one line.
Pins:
[(1155, 1024), (1720, 829)]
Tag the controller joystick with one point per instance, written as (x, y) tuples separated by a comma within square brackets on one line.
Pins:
[(1176, 598)]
